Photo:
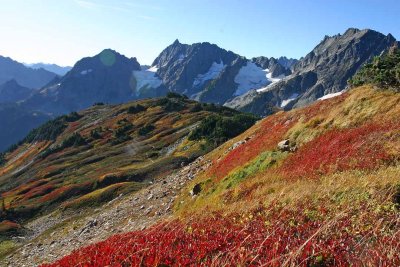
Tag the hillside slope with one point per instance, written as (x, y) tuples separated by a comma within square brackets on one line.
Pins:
[(81, 161), (328, 195), (16, 122)]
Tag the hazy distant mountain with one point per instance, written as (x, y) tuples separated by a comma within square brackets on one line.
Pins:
[(323, 71), (16, 122), (59, 70), (27, 77), (108, 77), (11, 92)]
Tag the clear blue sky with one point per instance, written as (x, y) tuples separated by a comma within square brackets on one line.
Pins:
[(63, 31)]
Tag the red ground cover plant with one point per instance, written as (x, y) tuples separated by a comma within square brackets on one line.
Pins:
[(8, 226), (271, 131), (342, 149), (267, 237)]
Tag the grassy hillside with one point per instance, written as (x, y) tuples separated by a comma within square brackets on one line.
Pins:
[(89, 158), (327, 196)]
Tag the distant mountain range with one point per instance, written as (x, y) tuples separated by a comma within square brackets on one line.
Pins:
[(59, 70), (11, 92), (25, 76), (204, 72), (16, 122)]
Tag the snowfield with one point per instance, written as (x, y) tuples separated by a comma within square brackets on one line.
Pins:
[(146, 78), (212, 73), (84, 72), (253, 77), (290, 99), (331, 95)]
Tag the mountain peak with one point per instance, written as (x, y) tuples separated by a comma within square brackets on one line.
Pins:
[(351, 31), (11, 82)]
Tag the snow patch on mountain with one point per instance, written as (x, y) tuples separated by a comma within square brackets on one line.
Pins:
[(146, 78), (273, 79), (84, 72), (285, 102), (181, 57), (331, 95), (252, 76), (212, 73)]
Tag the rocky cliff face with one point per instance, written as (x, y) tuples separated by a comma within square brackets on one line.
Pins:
[(208, 73), (191, 69), (277, 67), (323, 71)]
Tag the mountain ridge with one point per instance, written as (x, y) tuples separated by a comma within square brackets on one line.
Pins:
[(27, 77), (339, 56)]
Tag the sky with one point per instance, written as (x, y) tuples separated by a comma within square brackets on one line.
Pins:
[(64, 31)]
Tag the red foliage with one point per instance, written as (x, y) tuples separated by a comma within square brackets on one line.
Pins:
[(270, 132), (339, 150), (290, 238), (8, 226), (38, 191), (66, 192)]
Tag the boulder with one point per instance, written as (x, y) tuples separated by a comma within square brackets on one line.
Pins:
[(195, 190), (284, 145)]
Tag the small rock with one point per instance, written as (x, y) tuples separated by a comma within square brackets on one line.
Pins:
[(284, 145), (195, 190)]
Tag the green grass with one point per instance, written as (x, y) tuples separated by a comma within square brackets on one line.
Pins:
[(264, 161), (100, 196), (6, 247)]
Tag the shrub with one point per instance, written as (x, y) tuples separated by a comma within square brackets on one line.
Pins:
[(74, 140), (2, 159), (217, 129), (171, 104), (136, 109), (98, 104), (196, 108), (7, 227), (73, 116), (122, 131), (383, 71), (48, 131), (176, 95), (271, 236), (146, 129), (96, 133)]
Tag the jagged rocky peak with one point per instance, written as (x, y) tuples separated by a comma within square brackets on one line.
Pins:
[(323, 71), (277, 67), (177, 53), (352, 45), (187, 68)]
